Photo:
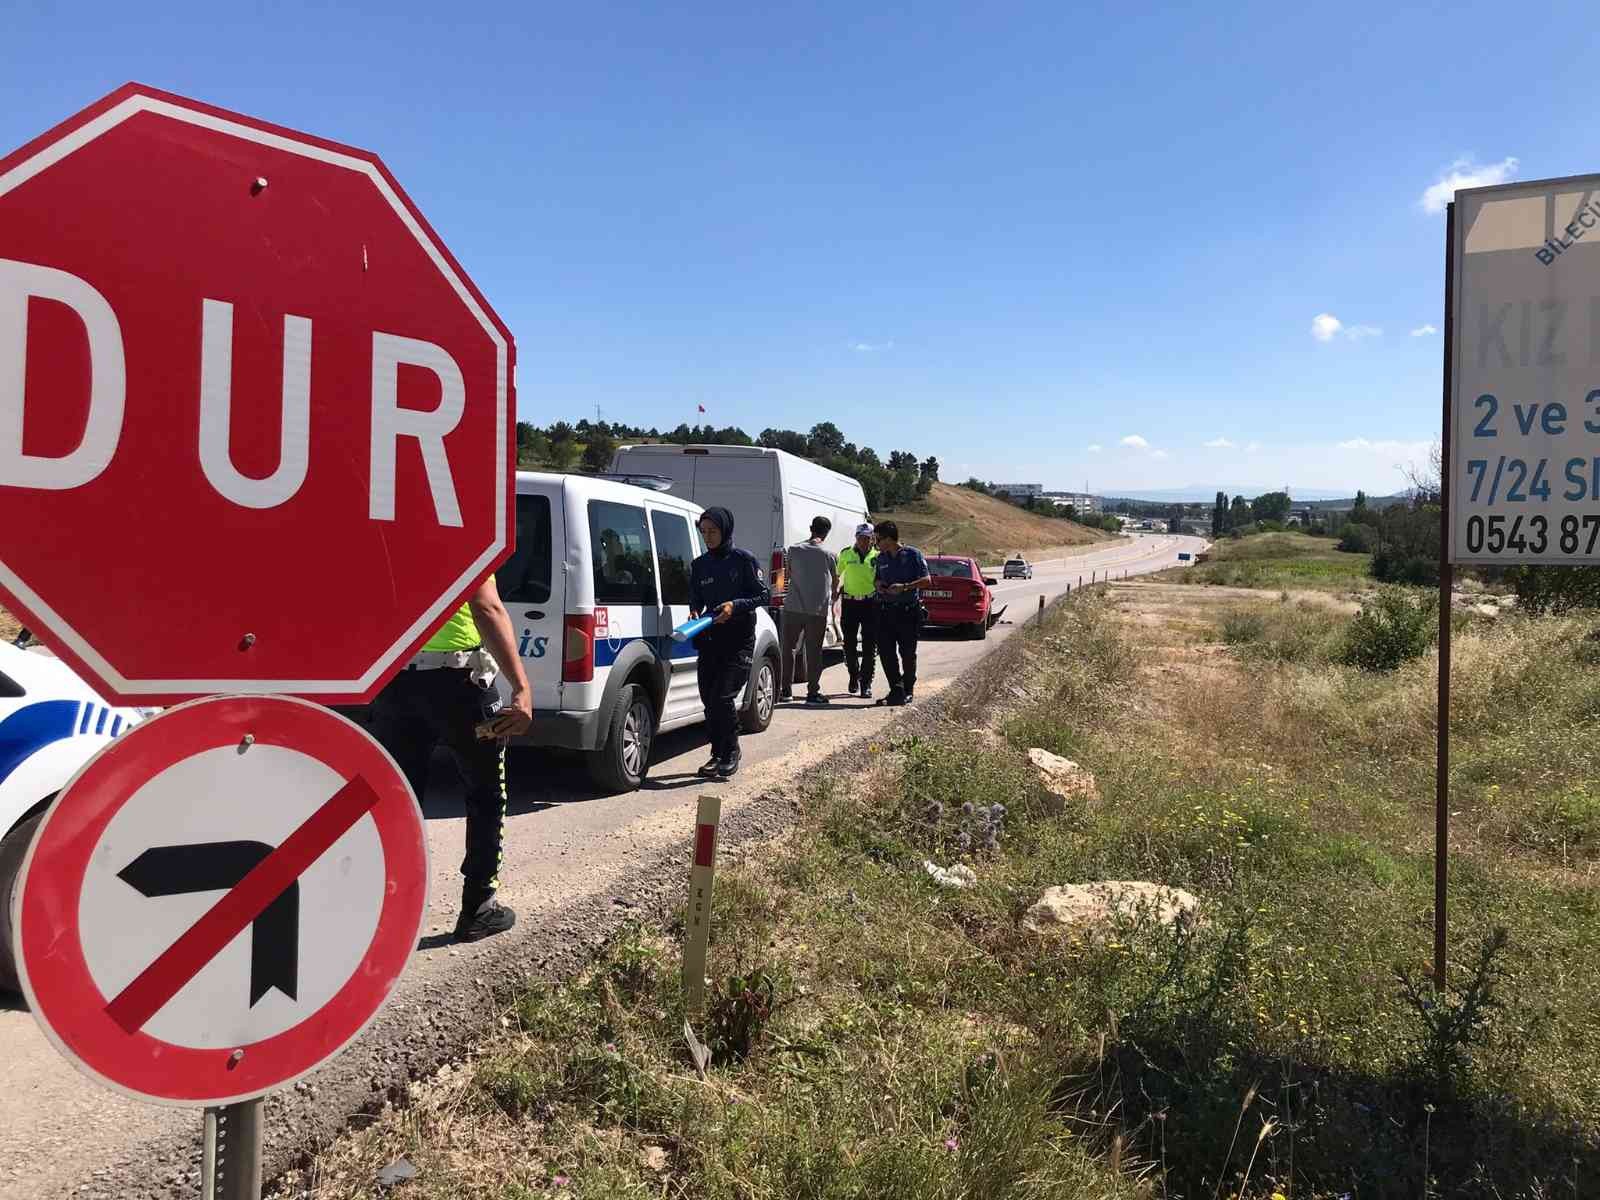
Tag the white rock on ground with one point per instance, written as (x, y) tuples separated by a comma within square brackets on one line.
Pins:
[(1087, 906), (1063, 778), (958, 876)]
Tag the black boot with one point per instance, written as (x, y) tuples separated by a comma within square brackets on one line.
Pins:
[(482, 916)]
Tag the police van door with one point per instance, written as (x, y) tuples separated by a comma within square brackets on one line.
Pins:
[(532, 592), (675, 550)]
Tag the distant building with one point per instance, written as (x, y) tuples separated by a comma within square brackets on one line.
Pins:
[(1078, 502), (1019, 491)]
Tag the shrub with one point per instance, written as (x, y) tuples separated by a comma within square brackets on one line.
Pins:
[(1556, 589), (1358, 539), (1240, 628), (1408, 546), (1392, 628)]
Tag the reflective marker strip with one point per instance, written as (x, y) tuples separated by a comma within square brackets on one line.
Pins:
[(698, 919)]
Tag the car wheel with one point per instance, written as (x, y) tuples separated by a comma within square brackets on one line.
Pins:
[(13, 848), (979, 630), (623, 760), (757, 714)]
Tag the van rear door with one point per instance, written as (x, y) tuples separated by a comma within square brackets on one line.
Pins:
[(533, 593)]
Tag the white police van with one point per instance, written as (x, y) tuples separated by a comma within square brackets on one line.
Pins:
[(598, 582), (51, 723)]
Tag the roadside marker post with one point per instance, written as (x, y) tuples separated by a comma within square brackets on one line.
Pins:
[(697, 922)]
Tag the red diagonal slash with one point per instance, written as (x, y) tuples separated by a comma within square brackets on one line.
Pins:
[(227, 918)]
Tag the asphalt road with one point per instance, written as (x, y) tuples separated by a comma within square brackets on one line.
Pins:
[(61, 1135)]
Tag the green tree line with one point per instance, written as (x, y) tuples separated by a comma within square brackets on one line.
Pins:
[(590, 445)]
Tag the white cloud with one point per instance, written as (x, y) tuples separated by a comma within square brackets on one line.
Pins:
[(1096, 448), (1464, 173), (870, 347), (1137, 442), (1424, 331), (1219, 443), (1325, 327), (1159, 454)]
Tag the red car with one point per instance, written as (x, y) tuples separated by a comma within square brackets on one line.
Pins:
[(960, 596)]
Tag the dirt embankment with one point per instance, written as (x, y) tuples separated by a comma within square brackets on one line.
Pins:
[(957, 520)]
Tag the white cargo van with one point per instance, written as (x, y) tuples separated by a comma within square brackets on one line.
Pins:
[(597, 583), (772, 494)]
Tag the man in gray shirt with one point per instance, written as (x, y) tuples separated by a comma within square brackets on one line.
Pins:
[(813, 579)]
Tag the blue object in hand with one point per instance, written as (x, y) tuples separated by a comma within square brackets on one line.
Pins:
[(690, 628)]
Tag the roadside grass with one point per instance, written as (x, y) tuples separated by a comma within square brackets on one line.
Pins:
[(1275, 561), (876, 1035)]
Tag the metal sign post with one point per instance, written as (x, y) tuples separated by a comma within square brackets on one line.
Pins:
[(230, 1166), (1441, 780)]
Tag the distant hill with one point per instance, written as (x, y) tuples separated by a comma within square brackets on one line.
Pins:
[(1196, 494), (957, 520)]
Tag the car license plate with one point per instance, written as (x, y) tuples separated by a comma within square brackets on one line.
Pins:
[(937, 594)]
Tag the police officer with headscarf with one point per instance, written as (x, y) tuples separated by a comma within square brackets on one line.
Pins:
[(725, 584)]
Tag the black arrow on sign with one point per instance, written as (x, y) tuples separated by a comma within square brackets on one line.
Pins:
[(217, 867)]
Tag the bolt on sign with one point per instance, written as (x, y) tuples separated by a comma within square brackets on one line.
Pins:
[(1524, 470), (239, 374)]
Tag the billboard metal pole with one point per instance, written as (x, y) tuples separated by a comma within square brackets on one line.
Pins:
[(1441, 798)]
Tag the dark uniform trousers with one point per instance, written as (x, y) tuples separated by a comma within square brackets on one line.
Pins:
[(724, 669), (421, 709), (859, 617), (898, 627)]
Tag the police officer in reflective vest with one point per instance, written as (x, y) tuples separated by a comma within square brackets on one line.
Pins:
[(858, 614), (446, 694)]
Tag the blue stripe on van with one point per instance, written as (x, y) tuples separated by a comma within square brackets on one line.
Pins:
[(608, 649)]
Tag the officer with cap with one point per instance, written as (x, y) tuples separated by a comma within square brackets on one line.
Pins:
[(446, 694), (858, 614), (725, 584)]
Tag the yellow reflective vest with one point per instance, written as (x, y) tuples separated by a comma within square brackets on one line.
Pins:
[(858, 574)]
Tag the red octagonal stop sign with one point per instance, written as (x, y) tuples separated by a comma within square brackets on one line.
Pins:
[(255, 421)]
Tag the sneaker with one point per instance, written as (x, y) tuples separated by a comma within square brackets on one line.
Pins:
[(866, 691), (729, 767), (489, 918), (855, 686), (817, 698), (709, 771)]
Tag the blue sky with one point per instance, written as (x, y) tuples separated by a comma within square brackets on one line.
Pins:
[(1044, 242)]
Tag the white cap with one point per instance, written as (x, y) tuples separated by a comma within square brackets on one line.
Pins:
[(864, 530)]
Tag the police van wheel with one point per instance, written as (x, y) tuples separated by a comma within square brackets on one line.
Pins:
[(13, 848), (622, 762), (763, 696)]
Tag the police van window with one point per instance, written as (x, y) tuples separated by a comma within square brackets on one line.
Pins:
[(525, 576), (674, 551), (624, 570)]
